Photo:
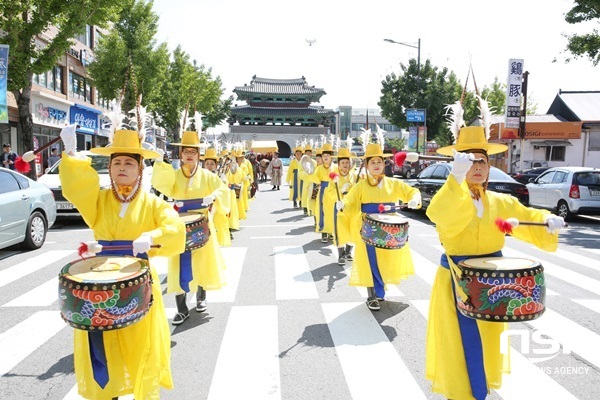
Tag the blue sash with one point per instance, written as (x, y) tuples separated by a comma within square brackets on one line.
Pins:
[(185, 258), (373, 208), (321, 214), (191, 204), (295, 194), (96, 338), (470, 337)]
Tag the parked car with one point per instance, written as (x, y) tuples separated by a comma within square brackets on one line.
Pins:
[(27, 210), (527, 176), (431, 179), (567, 190), (65, 209)]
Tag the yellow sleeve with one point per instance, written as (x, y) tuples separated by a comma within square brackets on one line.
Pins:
[(163, 178), (353, 200), (222, 195), (290, 173), (404, 191), (451, 208), (170, 232), (81, 186)]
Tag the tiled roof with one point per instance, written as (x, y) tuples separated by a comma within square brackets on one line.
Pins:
[(279, 86), (249, 110)]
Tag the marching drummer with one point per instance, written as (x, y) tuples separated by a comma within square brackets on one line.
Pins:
[(305, 185), (246, 170), (195, 189), (233, 176), (375, 267), (344, 182), (322, 178), (209, 162), (135, 359), (463, 354), (292, 178)]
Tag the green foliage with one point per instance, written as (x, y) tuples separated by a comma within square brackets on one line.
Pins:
[(584, 45), (394, 143)]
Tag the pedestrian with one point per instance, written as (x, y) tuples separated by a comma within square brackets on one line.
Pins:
[(389, 167), (54, 157), (275, 170), (463, 354), (8, 157), (374, 267), (292, 178), (195, 189), (134, 359)]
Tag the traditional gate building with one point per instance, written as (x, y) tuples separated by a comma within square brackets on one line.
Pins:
[(279, 110)]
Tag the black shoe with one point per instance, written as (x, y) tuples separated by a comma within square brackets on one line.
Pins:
[(230, 236), (348, 253), (295, 205), (273, 188), (330, 237), (341, 261), (373, 304), (179, 318), (324, 238), (277, 187), (201, 306)]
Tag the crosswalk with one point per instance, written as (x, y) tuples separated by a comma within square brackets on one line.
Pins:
[(254, 355)]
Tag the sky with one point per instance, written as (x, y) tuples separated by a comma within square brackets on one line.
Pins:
[(238, 39)]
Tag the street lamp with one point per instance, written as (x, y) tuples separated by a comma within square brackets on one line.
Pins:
[(418, 47)]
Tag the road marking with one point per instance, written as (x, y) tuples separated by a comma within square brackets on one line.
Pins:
[(577, 258), (41, 296), (360, 345), (277, 226), (526, 380), (251, 355), (293, 277), (274, 237), (234, 260), (390, 291), (33, 264), (593, 305), (24, 338), (424, 268)]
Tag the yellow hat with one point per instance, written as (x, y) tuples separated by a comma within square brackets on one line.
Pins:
[(319, 151), (190, 139), (343, 152), (211, 154), (472, 138), (374, 150), (327, 147), (224, 153), (308, 147), (237, 153), (298, 148), (125, 141)]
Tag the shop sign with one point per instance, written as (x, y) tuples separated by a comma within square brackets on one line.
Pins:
[(44, 114)]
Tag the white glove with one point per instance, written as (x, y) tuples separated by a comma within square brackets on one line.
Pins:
[(462, 163), (69, 138), (223, 177), (554, 223), (247, 178), (161, 154), (93, 247), (339, 205), (142, 244), (346, 187), (208, 200), (234, 167), (415, 202)]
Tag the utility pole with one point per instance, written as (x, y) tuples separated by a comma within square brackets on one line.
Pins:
[(522, 122)]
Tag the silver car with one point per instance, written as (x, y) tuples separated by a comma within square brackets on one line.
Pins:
[(27, 210), (567, 190)]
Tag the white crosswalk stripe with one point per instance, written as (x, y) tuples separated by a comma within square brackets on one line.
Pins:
[(292, 275), (40, 296), (31, 265)]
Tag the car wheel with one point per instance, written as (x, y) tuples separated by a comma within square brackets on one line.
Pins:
[(35, 235), (562, 209)]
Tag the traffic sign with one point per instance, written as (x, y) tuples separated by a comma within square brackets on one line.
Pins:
[(415, 115)]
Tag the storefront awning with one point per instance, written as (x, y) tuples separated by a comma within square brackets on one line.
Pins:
[(264, 146), (550, 143)]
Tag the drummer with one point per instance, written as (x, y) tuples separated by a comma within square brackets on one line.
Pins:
[(464, 213), (233, 175), (136, 359), (202, 268), (374, 267), (321, 178), (292, 178), (305, 185), (209, 162), (345, 181)]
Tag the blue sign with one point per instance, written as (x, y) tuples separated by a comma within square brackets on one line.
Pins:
[(87, 120), (415, 115)]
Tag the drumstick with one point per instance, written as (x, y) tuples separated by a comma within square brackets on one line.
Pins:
[(94, 247), (22, 163), (507, 225), (334, 177), (386, 208)]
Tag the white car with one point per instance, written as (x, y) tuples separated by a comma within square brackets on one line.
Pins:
[(100, 164), (567, 190)]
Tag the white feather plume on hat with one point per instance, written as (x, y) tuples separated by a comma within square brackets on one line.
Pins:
[(456, 120)]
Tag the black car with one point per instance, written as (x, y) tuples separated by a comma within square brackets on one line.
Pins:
[(526, 176), (431, 179)]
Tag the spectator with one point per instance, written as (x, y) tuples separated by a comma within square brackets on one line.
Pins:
[(8, 157), (389, 168), (54, 157)]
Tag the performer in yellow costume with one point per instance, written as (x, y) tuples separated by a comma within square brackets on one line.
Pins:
[(246, 169), (136, 359), (343, 183), (324, 205), (305, 185), (248, 179), (220, 214), (292, 178), (375, 267), (194, 189), (463, 354)]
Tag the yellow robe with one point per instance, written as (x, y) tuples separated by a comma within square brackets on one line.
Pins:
[(221, 219), (138, 356), (294, 166), (321, 174), (208, 265), (236, 211), (462, 232), (246, 185), (343, 232), (246, 177), (395, 264)]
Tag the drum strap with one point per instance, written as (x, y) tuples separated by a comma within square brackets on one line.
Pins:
[(469, 331), (96, 339), (321, 214), (295, 194)]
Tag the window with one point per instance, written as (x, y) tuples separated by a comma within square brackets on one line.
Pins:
[(439, 172), (85, 37), (546, 178), (51, 79), (23, 182), (555, 153), (427, 172), (559, 177), (7, 183), (97, 37), (594, 144), (79, 87)]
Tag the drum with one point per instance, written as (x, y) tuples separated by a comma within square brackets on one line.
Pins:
[(237, 187), (502, 289), (315, 192), (385, 231), (197, 230), (105, 292)]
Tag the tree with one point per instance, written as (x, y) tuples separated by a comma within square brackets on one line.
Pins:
[(127, 61), (586, 45), (24, 21)]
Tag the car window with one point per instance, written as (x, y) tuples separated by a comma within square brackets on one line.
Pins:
[(439, 173), (8, 183), (99, 163), (23, 182), (499, 175), (546, 177), (587, 178), (427, 172), (559, 177)]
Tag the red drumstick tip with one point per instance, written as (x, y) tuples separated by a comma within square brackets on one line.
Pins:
[(22, 166), (82, 249), (381, 208), (504, 226), (399, 158), (333, 175)]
